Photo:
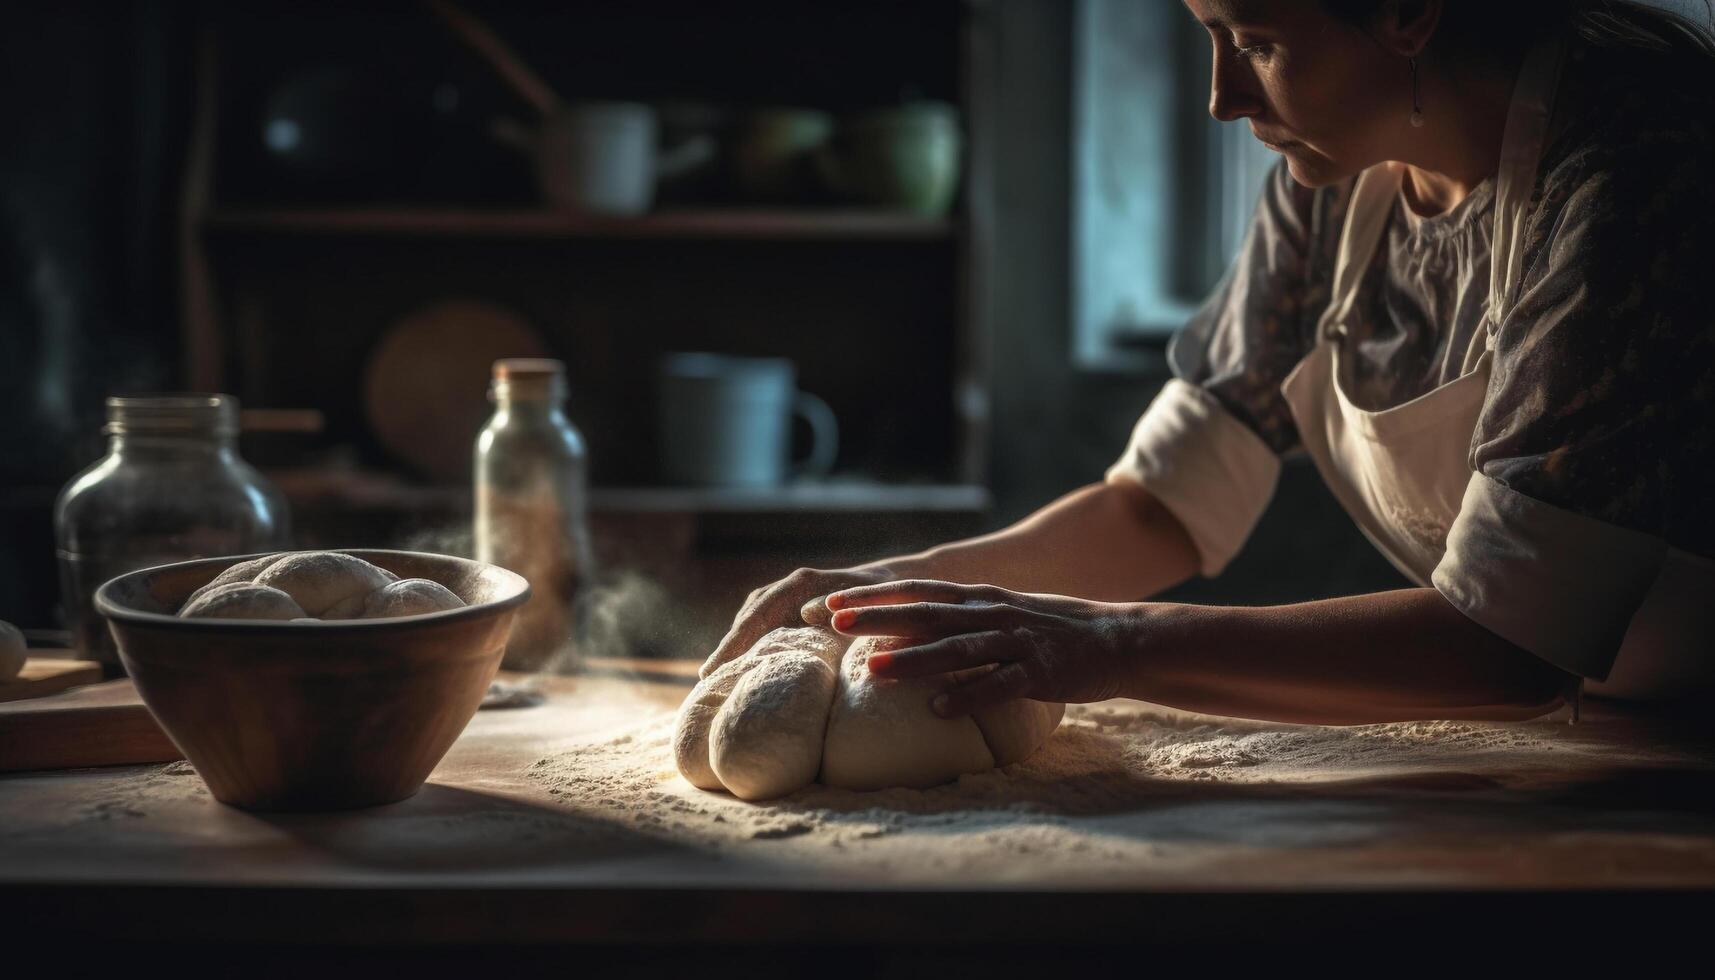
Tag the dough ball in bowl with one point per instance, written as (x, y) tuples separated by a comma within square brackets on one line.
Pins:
[(320, 580), (244, 571), (409, 597), (351, 607), (241, 600)]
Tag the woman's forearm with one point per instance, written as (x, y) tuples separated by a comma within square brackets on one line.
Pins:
[(1388, 656), (1110, 542)]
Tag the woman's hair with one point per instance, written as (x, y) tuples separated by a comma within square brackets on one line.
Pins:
[(1500, 25)]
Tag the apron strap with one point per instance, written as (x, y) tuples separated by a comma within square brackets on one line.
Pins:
[(1521, 146), (1366, 217)]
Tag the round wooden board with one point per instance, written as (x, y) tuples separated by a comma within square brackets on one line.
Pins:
[(426, 383)]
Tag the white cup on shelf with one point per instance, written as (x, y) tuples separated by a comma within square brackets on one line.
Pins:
[(602, 157), (727, 422)]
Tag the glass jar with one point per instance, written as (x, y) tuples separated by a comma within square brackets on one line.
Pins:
[(532, 492), (171, 487)]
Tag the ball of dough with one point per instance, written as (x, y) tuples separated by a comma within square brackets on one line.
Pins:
[(691, 730), (350, 607), (244, 571), (802, 705), (13, 651), (881, 732), (409, 597), (697, 717), (818, 641), (242, 600), (320, 580), (766, 740), (1014, 730)]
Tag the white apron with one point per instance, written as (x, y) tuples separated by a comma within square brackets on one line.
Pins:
[(1402, 473)]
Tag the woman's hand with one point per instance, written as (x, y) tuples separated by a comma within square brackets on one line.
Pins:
[(792, 601), (1045, 647)]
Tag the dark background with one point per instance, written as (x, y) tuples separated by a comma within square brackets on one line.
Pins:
[(97, 108)]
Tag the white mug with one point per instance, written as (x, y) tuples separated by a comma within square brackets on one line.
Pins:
[(727, 421), (603, 157), (598, 157)]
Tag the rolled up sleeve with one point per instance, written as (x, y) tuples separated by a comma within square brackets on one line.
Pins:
[(1590, 457), (1209, 445), (1207, 468), (1554, 582)]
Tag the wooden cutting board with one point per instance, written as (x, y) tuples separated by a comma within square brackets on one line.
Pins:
[(101, 724), (107, 724), (47, 675)]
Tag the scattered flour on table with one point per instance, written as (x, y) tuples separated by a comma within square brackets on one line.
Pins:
[(1108, 766), (137, 797), (1122, 789)]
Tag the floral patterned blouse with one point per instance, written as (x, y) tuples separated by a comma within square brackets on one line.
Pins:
[(1601, 399)]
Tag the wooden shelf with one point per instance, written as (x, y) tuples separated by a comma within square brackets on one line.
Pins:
[(831, 497), (778, 224), (370, 490)]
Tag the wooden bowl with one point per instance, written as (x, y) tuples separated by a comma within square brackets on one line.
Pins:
[(320, 715)]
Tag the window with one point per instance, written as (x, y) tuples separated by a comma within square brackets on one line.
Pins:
[(1161, 192)]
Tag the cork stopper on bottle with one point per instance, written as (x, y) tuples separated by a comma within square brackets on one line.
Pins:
[(525, 368), (528, 377)]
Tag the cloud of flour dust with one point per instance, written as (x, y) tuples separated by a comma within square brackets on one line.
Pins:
[(619, 612), (455, 540), (626, 614)]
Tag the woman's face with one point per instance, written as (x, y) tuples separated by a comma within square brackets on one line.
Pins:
[(1317, 90)]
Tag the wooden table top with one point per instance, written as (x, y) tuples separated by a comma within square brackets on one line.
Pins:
[(488, 853)]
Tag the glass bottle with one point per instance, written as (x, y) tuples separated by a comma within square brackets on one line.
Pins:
[(532, 491), (172, 487)]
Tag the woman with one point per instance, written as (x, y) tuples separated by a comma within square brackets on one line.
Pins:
[(1472, 294)]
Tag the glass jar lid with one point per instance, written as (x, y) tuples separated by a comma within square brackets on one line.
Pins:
[(172, 413)]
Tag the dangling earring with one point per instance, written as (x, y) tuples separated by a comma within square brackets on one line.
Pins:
[(1416, 107)]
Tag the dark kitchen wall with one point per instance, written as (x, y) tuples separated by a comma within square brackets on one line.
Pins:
[(94, 107), (96, 103)]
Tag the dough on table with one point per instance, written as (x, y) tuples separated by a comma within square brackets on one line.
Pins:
[(1015, 729), (767, 739), (697, 716), (320, 580), (691, 731), (242, 600), (881, 732), (802, 706)]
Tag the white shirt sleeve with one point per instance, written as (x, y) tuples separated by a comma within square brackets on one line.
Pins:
[(1554, 582), (1205, 466)]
